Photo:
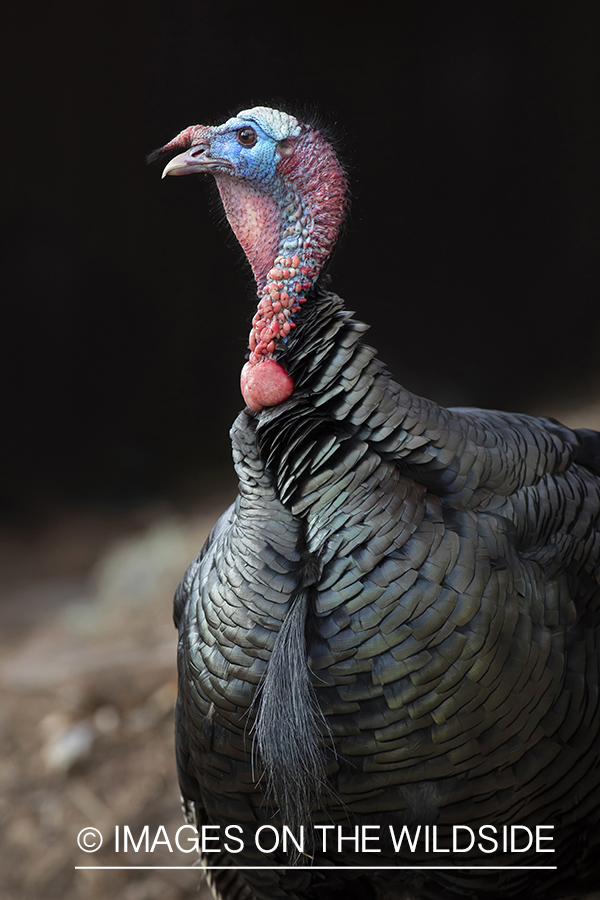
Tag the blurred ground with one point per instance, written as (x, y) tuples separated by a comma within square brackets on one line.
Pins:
[(87, 674), (88, 680)]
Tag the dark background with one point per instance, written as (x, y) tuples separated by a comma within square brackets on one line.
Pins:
[(471, 135)]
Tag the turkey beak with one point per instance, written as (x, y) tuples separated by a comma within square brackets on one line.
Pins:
[(193, 161)]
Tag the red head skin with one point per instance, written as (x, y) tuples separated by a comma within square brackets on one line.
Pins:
[(287, 228), (315, 188)]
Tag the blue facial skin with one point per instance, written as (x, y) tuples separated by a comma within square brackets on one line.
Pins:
[(254, 164)]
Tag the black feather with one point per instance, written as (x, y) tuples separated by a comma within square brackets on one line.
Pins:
[(588, 451), (289, 724), (401, 616)]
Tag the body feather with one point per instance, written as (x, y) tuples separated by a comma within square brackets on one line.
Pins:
[(396, 623)]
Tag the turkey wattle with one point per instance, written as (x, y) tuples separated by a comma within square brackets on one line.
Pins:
[(398, 621)]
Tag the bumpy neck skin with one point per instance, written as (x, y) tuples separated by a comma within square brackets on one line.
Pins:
[(286, 203), (288, 232)]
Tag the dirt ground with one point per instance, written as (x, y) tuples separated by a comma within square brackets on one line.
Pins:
[(87, 676), (88, 681)]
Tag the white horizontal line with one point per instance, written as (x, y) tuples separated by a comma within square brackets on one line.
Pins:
[(337, 868)]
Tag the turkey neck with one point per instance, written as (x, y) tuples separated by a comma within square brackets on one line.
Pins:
[(283, 288), (287, 232)]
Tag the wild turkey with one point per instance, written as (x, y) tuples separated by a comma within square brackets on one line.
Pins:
[(397, 622)]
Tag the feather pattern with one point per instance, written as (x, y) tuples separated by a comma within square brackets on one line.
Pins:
[(396, 623)]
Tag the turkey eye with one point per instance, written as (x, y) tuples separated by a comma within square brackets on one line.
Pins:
[(246, 137)]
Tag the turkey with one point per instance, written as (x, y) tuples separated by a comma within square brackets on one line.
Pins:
[(394, 630)]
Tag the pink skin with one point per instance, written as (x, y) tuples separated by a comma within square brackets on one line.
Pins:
[(316, 194), (310, 168), (266, 383), (256, 221)]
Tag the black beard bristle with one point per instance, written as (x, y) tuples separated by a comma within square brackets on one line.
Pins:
[(154, 156)]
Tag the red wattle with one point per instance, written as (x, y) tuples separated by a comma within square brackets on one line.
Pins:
[(265, 384)]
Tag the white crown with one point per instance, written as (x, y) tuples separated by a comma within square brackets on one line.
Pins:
[(276, 123)]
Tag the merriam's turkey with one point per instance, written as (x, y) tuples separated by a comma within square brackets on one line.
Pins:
[(397, 621)]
